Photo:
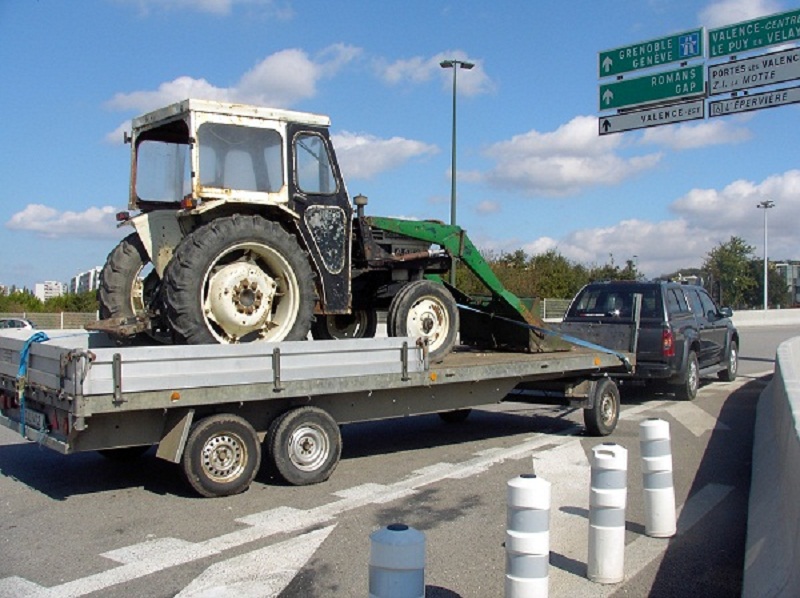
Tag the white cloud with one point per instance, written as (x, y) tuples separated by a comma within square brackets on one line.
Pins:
[(704, 218), (51, 223), (279, 80), (488, 207), (563, 162), (363, 156), (418, 69), (215, 7), (689, 136), (726, 12)]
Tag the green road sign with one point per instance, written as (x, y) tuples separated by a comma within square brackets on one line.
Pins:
[(688, 81), (652, 53), (754, 35)]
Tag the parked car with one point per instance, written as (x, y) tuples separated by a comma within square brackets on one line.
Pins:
[(16, 323), (682, 334)]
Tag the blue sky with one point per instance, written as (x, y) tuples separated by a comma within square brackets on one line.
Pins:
[(532, 171)]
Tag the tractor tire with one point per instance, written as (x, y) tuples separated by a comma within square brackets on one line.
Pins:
[(239, 279), (123, 292), (362, 323), (425, 310)]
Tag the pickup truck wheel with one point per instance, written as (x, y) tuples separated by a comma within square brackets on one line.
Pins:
[(123, 292), (222, 455), (425, 310), (687, 390), (602, 418), (729, 373), (239, 279), (304, 445), (362, 323)]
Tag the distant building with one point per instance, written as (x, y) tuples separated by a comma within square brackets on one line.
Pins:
[(85, 281), (49, 289), (790, 271)]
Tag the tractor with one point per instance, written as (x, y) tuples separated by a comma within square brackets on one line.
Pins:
[(244, 232)]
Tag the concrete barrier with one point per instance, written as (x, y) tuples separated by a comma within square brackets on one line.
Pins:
[(773, 522), (772, 317)]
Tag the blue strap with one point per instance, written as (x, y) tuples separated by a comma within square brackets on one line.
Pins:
[(22, 374)]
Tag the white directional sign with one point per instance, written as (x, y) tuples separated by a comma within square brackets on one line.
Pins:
[(641, 119), (769, 99), (767, 69)]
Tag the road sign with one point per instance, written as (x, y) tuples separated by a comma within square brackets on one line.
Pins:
[(652, 53), (657, 87), (652, 117), (766, 69), (769, 99), (754, 35)]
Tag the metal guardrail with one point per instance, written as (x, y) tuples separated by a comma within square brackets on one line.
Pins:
[(59, 320)]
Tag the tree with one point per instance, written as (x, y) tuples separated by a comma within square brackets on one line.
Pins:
[(731, 278), (555, 276)]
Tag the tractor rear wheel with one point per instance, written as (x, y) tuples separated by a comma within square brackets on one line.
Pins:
[(239, 279)]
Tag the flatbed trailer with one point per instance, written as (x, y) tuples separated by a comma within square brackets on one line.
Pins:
[(214, 408)]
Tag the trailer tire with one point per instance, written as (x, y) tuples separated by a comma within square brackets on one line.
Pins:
[(456, 416), (602, 418), (304, 445), (361, 323), (222, 455), (686, 390), (425, 310), (239, 278)]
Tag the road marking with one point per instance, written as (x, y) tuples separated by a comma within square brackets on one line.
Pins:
[(695, 419), (262, 573), (141, 559)]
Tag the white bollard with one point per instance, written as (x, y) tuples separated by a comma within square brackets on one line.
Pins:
[(607, 501), (528, 537), (397, 562), (659, 490)]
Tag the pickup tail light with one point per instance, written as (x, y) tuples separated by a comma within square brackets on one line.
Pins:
[(667, 343)]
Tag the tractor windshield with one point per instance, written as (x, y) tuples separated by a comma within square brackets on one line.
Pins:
[(162, 171)]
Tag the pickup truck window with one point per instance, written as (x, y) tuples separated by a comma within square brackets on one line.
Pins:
[(614, 302), (709, 308), (676, 302)]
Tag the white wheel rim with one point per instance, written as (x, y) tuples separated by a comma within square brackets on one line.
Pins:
[(428, 319), (252, 295), (224, 457), (308, 447)]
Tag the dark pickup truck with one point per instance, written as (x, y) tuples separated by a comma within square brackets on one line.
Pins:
[(676, 331)]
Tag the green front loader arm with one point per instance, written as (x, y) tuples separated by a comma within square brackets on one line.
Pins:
[(504, 303)]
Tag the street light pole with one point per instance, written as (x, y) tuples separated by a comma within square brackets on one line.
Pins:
[(765, 205), (455, 65)]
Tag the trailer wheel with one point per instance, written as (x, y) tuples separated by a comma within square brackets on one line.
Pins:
[(687, 389), (239, 279), (602, 418), (222, 455), (362, 323), (304, 445), (424, 309), (123, 292)]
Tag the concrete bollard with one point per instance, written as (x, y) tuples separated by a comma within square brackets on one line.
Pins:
[(659, 490), (397, 562), (528, 537), (607, 501)]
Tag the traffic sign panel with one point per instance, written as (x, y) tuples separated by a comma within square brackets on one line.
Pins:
[(754, 35), (651, 53), (652, 117), (767, 69), (684, 82), (769, 99)]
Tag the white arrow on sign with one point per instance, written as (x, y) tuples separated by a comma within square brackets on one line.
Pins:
[(262, 573), (607, 64), (608, 95)]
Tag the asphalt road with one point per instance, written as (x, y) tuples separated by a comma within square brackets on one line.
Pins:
[(85, 526)]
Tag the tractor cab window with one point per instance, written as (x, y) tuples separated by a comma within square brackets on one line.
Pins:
[(314, 171), (162, 171), (241, 158)]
